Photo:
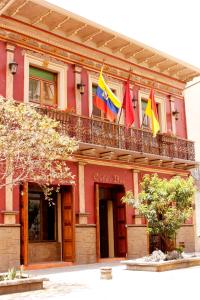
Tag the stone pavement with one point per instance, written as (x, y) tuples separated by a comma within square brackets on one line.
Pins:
[(83, 282)]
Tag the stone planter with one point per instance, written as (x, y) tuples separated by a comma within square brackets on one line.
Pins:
[(21, 285), (138, 265)]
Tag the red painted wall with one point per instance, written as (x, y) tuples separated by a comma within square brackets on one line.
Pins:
[(101, 174), (3, 68), (85, 96), (71, 100), (181, 130), (18, 78), (168, 115)]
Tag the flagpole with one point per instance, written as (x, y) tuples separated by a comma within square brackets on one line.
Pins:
[(120, 116)]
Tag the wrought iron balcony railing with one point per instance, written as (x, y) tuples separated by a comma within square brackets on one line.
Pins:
[(103, 133)]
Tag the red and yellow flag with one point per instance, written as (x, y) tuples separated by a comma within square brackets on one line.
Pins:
[(128, 106), (151, 112)]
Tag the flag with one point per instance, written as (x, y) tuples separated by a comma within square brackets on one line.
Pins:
[(151, 112), (128, 106), (105, 100)]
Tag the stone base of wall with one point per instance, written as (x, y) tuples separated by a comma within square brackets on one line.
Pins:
[(44, 252), (186, 235), (85, 244), (9, 246), (137, 240)]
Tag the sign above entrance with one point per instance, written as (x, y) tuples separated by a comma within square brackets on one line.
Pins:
[(107, 179)]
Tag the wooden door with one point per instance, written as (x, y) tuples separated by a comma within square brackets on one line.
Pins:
[(68, 224), (103, 222), (24, 224), (97, 221), (120, 226)]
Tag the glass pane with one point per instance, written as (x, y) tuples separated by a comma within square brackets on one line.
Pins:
[(48, 217), (94, 89), (34, 219), (34, 90), (145, 119), (49, 93)]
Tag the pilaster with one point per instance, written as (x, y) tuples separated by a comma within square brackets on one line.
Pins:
[(138, 219), (9, 214), (78, 96), (82, 216)]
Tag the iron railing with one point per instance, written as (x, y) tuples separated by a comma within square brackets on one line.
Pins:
[(104, 133)]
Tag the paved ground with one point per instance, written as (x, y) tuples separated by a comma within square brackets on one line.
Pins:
[(83, 282)]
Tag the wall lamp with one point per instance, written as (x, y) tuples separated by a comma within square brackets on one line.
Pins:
[(134, 101), (13, 67), (81, 88), (175, 114)]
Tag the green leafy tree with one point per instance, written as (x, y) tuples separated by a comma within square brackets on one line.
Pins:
[(166, 205)]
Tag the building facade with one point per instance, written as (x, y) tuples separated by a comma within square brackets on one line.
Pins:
[(58, 55)]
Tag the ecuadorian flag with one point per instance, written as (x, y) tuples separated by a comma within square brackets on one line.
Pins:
[(105, 100)]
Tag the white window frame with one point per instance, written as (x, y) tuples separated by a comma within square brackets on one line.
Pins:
[(61, 70), (117, 87), (161, 112)]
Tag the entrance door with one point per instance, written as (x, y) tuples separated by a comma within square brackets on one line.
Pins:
[(120, 225), (103, 219), (68, 221), (110, 221), (40, 225), (24, 224)]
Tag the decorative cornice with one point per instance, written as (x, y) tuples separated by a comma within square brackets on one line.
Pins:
[(55, 48)]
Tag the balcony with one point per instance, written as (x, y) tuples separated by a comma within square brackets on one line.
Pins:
[(110, 137)]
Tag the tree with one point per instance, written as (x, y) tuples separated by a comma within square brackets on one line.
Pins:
[(166, 205), (32, 147)]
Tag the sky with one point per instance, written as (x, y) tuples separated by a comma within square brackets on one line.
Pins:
[(171, 26)]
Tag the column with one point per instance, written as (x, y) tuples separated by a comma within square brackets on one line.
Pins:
[(172, 107), (81, 180), (9, 214), (138, 219), (78, 96)]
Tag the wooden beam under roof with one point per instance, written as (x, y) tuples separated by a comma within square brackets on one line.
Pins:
[(58, 25), (74, 31), (145, 58), (4, 5), (105, 41), (119, 48), (40, 18), (18, 8), (90, 36), (134, 53)]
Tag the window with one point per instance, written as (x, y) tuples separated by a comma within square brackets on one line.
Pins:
[(41, 217), (58, 69), (42, 86), (116, 87), (161, 110), (145, 119), (96, 112)]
